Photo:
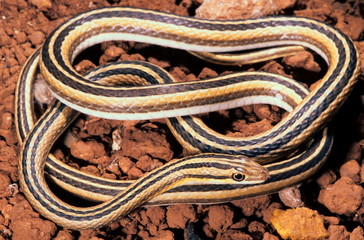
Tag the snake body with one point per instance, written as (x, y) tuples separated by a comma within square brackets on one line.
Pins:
[(308, 114)]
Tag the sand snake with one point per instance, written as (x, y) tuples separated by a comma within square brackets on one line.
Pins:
[(307, 117)]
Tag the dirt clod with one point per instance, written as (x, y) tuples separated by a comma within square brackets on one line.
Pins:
[(299, 223), (220, 217), (88, 150), (179, 215), (351, 169), (343, 197)]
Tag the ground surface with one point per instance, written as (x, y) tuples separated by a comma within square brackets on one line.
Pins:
[(336, 192)]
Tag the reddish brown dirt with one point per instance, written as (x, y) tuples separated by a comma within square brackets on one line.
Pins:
[(336, 192)]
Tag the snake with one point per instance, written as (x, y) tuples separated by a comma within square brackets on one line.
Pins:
[(177, 101)]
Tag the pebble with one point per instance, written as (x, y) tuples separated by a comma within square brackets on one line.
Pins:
[(354, 152), (357, 234), (233, 234), (351, 169), (135, 173), (338, 232), (291, 197), (4, 185), (253, 205), (240, 9), (326, 179), (342, 197), (179, 215), (304, 60), (220, 217), (267, 213), (269, 236), (20, 37), (91, 169), (125, 164), (6, 120), (87, 150), (147, 164), (299, 223), (37, 37), (164, 234), (156, 215), (42, 4)]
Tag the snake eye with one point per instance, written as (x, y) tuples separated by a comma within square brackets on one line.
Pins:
[(238, 177)]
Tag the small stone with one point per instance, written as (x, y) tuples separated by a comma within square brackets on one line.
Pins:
[(112, 53), (9, 136), (137, 143), (303, 60), (256, 228), (245, 130), (91, 169), (338, 232), (179, 215), (135, 173), (125, 164), (156, 215), (143, 234), (207, 73), (220, 217), (37, 37), (240, 224), (326, 179), (165, 235), (19, 54), (4, 185), (291, 197), (351, 25), (64, 235), (262, 111), (109, 176), (114, 168), (87, 150), (232, 235), (267, 213), (299, 223), (351, 169), (354, 152), (159, 63), (4, 39), (20, 37), (269, 236), (103, 161), (253, 205), (6, 121), (42, 4), (342, 197), (240, 9), (84, 66), (42, 94), (147, 164), (357, 234), (12, 62), (129, 226), (332, 220)]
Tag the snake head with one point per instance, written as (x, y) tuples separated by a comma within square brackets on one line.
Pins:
[(224, 169), (249, 172)]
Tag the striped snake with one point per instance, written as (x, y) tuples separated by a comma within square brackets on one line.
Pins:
[(226, 171)]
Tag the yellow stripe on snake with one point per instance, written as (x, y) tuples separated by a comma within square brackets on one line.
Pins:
[(223, 168)]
